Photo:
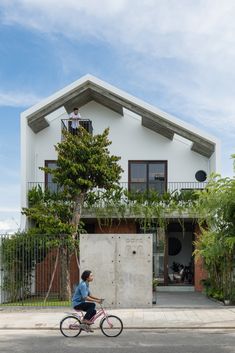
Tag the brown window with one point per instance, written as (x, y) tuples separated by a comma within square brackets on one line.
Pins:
[(147, 175)]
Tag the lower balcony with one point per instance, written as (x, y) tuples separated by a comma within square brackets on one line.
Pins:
[(176, 200)]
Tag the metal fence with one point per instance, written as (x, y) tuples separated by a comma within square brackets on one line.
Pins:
[(31, 271)]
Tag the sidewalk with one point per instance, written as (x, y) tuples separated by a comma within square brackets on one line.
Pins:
[(183, 312), (222, 317)]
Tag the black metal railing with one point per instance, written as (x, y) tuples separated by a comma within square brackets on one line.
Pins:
[(134, 187), (85, 123)]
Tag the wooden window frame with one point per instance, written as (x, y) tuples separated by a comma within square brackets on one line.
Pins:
[(147, 162)]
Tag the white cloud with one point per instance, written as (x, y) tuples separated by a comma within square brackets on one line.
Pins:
[(9, 226), (9, 202), (18, 99), (183, 49), (194, 38), (169, 28), (9, 209)]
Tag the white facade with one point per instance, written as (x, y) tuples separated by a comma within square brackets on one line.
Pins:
[(130, 140)]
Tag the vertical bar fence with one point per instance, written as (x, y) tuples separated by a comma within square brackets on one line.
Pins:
[(27, 264)]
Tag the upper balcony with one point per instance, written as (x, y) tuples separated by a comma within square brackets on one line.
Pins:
[(85, 123), (135, 188)]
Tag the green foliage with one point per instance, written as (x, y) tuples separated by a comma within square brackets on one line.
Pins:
[(49, 211), (216, 245), (155, 283), (144, 207), (20, 253), (84, 162)]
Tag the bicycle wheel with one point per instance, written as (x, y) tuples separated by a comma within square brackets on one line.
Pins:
[(70, 326), (111, 326)]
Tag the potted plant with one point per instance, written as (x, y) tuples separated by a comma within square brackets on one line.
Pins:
[(227, 300), (155, 284)]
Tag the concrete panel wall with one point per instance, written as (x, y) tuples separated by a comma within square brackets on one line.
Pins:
[(122, 267)]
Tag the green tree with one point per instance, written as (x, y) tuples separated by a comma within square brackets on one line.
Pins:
[(216, 245), (84, 163)]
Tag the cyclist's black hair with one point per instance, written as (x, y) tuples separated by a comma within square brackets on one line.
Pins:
[(85, 275)]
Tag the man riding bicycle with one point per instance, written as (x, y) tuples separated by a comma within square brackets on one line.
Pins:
[(83, 300)]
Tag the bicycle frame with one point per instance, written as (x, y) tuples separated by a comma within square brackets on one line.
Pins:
[(75, 322), (100, 313)]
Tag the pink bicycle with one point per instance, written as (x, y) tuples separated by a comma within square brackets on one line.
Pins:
[(110, 325)]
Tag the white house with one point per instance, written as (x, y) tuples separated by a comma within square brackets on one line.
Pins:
[(157, 150)]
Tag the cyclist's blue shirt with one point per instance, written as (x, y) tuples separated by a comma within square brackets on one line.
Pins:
[(81, 292)]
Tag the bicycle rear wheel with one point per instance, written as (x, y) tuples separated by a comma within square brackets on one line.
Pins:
[(70, 326), (111, 326)]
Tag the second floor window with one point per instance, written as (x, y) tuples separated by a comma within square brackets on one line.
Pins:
[(48, 177), (147, 176)]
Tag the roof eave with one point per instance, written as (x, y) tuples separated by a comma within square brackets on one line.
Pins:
[(89, 88)]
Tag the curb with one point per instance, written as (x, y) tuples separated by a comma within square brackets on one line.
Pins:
[(176, 328)]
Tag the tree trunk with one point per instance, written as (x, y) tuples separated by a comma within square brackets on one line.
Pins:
[(53, 275), (65, 287), (77, 211)]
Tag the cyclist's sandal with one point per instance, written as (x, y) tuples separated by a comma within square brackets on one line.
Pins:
[(85, 327)]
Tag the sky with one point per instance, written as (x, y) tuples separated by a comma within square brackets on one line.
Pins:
[(178, 55)]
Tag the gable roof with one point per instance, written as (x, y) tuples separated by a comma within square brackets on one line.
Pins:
[(90, 88)]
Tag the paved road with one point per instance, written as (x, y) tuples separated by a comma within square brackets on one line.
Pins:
[(130, 341)]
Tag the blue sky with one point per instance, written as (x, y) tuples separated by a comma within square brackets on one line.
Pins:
[(176, 55)]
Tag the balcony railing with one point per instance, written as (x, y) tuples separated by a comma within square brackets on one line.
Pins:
[(136, 187), (85, 123)]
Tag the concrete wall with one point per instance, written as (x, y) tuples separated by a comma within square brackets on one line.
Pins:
[(122, 267)]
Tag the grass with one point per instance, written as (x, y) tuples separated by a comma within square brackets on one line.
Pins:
[(38, 302)]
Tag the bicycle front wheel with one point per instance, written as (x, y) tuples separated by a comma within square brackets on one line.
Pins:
[(111, 326), (70, 326)]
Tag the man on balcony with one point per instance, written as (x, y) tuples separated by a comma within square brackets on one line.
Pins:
[(74, 117)]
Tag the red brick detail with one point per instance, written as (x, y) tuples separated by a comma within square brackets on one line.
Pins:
[(199, 271), (117, 228), (44, 271)]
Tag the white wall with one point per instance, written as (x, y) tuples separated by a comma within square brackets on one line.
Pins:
[(130, 140), (27, 162)]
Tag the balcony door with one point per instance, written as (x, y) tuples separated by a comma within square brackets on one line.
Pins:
[(147, 176)]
